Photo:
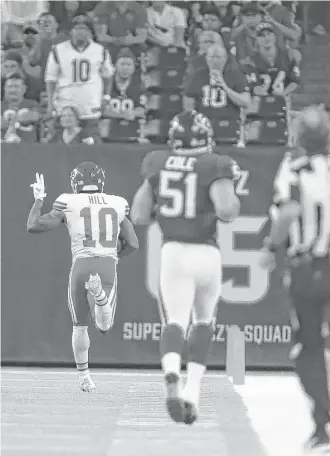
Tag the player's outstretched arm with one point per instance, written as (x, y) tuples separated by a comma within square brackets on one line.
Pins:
[(131, 240), (38, 223), (143, 204), (226, 203)]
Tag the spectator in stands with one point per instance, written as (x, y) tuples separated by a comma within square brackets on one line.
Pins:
[(205, 39), (123, 24), (13, 63), (79, 73), (13, 17), (219, 90), (280, 17), (276, 71), (227, 12), (71, 130), (244, 34), (19, 115), (43, 41), (166, 25), (65, 11), (127, 102)]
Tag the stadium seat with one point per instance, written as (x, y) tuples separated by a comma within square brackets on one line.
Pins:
[(164, 105), (157, 129), (269, 107), (124, 130), (165, 59), (226, 131)]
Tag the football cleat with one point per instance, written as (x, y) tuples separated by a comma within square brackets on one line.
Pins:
[(94, 285), (86, 384), (174, 404), (191, 413)]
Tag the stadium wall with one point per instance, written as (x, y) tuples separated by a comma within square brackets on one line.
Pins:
[(36, 326)]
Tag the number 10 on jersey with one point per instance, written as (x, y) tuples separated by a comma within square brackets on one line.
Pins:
[(98, 229), (179, 190)]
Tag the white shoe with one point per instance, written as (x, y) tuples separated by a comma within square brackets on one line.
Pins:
[(94, 285), (87, 384)]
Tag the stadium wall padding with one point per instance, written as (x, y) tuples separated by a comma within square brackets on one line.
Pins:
[(36, 325)]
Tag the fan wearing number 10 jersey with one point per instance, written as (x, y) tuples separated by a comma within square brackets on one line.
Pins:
[(95, 220), (188, 189)]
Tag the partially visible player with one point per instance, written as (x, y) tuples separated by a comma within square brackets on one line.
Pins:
[(188, 189), (94, 221), (301, 218)]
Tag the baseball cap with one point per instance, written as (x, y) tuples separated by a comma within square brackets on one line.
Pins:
[(264, 26), (14, 56), (251, 7), (125, 53), (82, 19)]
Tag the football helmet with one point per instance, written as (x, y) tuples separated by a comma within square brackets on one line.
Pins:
[(87, 177), (191, 133)]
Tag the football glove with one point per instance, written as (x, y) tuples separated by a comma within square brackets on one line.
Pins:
[(39, 187)]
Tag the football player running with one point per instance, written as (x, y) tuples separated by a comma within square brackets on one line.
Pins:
[(301, 220), (94, 220), (187, 190)]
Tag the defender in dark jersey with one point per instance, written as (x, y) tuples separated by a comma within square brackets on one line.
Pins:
[(187, 190), (301, 218)]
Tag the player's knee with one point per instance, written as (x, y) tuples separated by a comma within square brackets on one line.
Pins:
[(80, 338)]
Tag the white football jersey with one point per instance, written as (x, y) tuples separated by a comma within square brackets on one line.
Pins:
[(93, 221), (78, 75)]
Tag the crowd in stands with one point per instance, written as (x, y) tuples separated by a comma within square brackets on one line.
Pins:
[(90, 71)]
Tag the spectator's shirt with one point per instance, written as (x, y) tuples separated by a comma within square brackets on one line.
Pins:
[(283, 72), (122, 24), (19, 132), (167, 20), (79, 76), (245, 44), (126, 99), (212, 100), (79, 138)]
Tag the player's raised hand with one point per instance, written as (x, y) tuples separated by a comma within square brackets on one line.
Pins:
[(39, 187)]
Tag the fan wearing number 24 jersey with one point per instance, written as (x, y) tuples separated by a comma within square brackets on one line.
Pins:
[(187, 190), (100, 233)]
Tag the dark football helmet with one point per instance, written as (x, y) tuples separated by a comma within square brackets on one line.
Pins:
[(191, 133), (87, 177)]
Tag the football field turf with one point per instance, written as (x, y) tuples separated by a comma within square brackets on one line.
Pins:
[(44, 414)]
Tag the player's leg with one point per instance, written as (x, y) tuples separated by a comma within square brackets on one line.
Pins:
[(177, 291), (79, 309), (309, 291), (201, 331), (102, 287)]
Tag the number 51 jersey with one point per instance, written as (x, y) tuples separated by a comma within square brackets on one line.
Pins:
[(93, 221), (181, 186)]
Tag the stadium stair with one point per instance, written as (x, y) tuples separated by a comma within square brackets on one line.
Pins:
[(315, 74)]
